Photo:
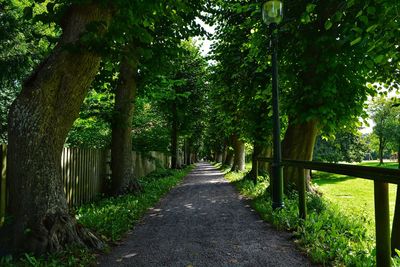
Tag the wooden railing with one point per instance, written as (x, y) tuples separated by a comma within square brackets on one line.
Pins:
[(381, 177)]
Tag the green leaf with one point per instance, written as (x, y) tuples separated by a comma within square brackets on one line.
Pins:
[(372, 28), (371, 10), (364, 19), (356, 41), (310, 8), (378, 59), (328, 25)]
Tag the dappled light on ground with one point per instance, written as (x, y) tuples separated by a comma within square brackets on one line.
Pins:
[(204, 222)]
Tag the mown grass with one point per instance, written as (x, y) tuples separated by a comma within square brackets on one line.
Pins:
[(354, 195), (109, 218), (329, 236)]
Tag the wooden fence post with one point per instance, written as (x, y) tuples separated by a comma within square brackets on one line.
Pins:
[(3, 182), (301, 187), (382, 224)]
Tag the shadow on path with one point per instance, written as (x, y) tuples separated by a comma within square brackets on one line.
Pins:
[(203, 222)]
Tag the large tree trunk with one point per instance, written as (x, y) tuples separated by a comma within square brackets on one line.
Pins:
[(39, 121), (239, 159), (174, 137), (298, 144), (123, 179)]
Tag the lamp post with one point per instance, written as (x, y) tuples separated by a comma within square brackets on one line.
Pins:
[(272, 16)]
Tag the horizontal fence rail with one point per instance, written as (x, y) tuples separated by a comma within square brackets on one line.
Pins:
[(85, 171), (381, 177)]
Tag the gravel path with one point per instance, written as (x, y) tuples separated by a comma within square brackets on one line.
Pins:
[(203, 222)]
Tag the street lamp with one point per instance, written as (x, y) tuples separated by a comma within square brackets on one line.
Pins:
[(272, 13)]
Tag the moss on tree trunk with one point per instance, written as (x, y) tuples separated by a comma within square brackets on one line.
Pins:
[(298, 144), (39, 121)]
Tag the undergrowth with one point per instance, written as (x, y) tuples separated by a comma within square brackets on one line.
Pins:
[(328, 236), (110, 218)]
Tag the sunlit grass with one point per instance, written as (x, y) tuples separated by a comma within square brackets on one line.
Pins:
[(354, 195)]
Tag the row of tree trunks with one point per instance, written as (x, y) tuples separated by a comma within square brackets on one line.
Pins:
[(123, 179), (39, 121)]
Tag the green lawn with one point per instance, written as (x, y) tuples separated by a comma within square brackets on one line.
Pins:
[(353, 195)]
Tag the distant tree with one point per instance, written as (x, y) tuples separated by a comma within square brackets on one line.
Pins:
[(345, 146), (394, 131), (382, 113)]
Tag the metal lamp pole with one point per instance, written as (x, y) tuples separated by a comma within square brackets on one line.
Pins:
[(272, 15)]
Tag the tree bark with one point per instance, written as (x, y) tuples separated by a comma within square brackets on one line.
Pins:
[(39, 121), (298, 144), (174, 137), (123, 179), (239, 158)]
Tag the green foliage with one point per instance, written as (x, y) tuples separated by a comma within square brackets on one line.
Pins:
[(386, 116), (93, 127), (328, 236), (240, 83), (345, 146), (22, 46), (71, 257), (179, 92), (150, 129)]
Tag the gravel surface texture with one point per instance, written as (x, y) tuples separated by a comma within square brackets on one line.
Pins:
[(204, 222)]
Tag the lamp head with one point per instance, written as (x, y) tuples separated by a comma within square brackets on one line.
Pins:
[(272, 12)]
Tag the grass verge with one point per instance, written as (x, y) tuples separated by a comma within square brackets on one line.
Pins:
[(328, 236), (354, 195), (110, 218)]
